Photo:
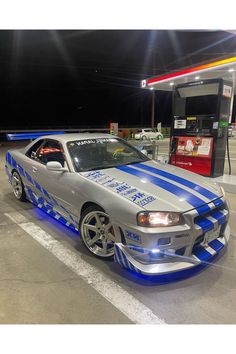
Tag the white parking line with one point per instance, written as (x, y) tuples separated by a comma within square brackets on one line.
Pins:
[(118, 297)]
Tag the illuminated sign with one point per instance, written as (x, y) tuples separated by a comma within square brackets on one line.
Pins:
[(143, 83), (188, 71)]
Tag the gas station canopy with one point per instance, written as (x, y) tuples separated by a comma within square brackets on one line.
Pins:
[(223, 68)]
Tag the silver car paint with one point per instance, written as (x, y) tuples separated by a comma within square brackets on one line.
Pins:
[(72, 190)]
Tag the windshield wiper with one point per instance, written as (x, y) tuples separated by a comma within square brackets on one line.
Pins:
[(98, 168), (112, 166), (133, 162)]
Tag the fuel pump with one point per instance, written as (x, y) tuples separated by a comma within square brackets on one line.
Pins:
[(201, 113)]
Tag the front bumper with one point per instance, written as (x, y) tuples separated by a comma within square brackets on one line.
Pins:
[(186, 252), (201, 256)]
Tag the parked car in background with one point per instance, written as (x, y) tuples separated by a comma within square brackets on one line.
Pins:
[(231, 130), (147, 133)]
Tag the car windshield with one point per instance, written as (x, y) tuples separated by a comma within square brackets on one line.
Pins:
[(100, 153)]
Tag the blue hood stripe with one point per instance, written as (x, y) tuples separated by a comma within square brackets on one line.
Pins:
[(201, 190), (221, 218), (203, 209), (169, 187), (205, 224)]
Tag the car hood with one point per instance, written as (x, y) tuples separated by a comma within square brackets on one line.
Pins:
[(156, 186)]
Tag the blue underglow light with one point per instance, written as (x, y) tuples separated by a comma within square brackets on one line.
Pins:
[(66, 230)]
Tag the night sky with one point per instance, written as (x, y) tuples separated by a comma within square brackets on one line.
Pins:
[(52, 79)]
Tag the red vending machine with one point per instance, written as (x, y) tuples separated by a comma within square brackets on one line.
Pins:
[(201, 112)]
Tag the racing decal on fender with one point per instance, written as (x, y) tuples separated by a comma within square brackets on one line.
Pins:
[(132, 236), (124, 189)]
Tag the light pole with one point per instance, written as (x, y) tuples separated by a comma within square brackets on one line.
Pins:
[(153, 91), (153, 109)]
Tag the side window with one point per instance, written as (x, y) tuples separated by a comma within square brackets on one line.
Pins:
[(50, 151), (33, 150)]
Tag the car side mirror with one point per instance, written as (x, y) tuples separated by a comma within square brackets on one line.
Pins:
[(55, 166)]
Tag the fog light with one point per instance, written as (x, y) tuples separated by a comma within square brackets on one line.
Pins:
[(155, 253), (155, 250)]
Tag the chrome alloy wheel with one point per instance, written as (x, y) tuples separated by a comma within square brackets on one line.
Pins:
[(17, 185), (98, 234)]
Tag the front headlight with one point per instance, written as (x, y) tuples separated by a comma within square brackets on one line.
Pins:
[(158, 219)]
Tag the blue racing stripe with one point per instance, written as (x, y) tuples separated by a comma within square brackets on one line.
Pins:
[(30, 179), (205, 224), (31, 195), (171, 188), (132, 267), (21, 171), (125, 262), (9, 158), (41, 200), (216, 245), (62, 220), (219, 202), (37, 185), (45, 193), (221, 218), (203, 209), (201, 190), (202, 254), (119, 259), (14, 163)]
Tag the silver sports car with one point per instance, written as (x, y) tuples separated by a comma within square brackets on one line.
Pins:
[(153, 218)]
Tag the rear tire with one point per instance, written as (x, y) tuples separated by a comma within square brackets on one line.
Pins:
[(18, 187), (144, 137), (97, 232)]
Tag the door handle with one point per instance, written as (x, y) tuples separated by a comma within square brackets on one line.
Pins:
[(34, 169)]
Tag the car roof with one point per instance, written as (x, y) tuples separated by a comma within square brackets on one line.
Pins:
[(76, 136)]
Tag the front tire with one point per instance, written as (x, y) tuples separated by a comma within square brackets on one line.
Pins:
[(97, 232), (18, 187), (144, 137)]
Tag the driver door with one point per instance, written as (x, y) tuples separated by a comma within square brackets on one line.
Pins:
[(54, 187)]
